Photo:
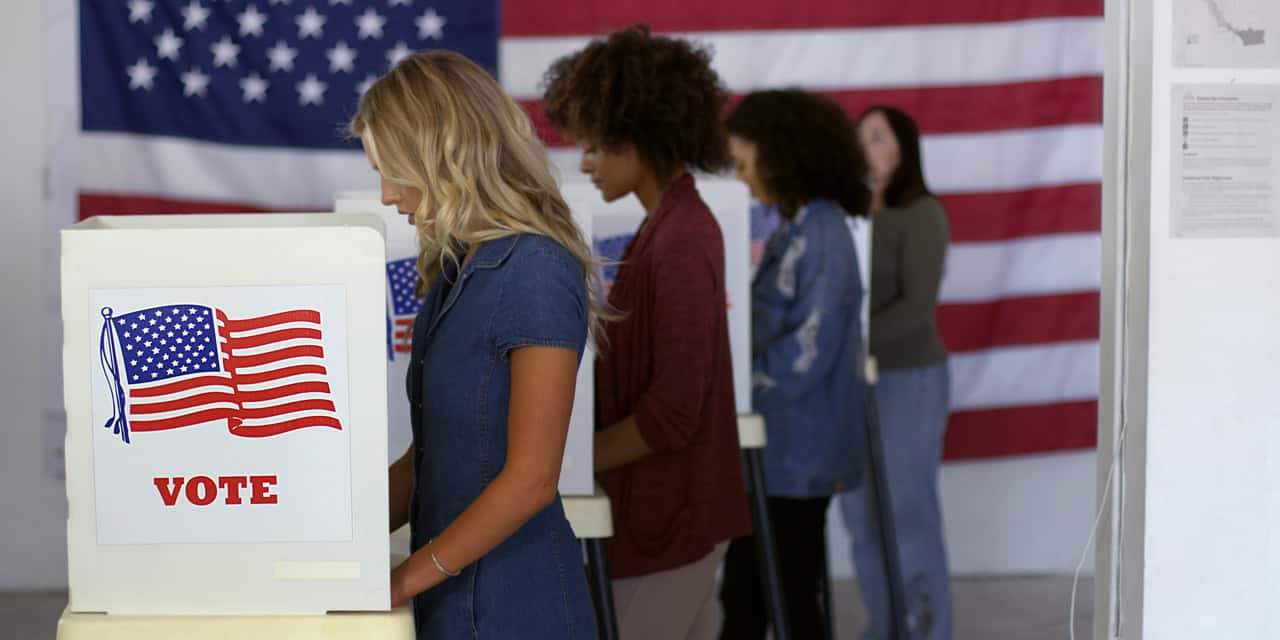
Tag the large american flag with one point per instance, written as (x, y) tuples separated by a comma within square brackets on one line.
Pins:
[(216, 105), (177, 366)]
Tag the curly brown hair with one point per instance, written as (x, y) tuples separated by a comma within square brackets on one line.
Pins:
[(806, 149), (657, 94)]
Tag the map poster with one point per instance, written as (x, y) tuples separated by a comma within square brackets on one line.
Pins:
[(1226, 33)]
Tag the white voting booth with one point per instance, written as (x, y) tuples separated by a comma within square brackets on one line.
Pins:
[(576, 475), (224, 389)]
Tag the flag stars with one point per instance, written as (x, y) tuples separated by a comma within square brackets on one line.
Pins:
[(341, 58), (281, 56), (141, 76), (168, 45), (140, 11), (400, 52), (311, 91), (430, 25), (194, 16), (251, 22), (369, 24), (310, 24), (253, 89), (195, 83), (364, 86), (225, 54)]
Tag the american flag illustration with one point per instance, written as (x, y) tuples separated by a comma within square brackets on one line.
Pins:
[(402, 278), (177, 366)]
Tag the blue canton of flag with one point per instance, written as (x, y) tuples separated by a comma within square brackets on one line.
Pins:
[(167, 342), (258, 72), (402, 277)]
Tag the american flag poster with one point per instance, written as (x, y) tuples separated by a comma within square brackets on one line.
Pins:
[(203, 105), (221, 414)]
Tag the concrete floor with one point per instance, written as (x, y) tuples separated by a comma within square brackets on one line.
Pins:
[(1000, 608)]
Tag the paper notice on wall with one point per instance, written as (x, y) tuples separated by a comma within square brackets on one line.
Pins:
[(1226, 33), (1226, 173)]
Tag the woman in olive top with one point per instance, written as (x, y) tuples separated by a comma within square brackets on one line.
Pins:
[(909, 246)]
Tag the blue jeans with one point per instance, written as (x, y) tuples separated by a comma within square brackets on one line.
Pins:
[(913, 405)]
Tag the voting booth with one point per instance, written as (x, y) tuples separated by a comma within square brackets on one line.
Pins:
[(401, 306), (226, 416)]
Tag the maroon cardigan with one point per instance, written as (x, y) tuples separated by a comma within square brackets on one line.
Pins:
[(667, 362)]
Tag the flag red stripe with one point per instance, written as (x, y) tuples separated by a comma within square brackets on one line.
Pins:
[(248, 342), (1021, 430), (964, 109), (250, 324), (179, 386), (403, 348), (991, 217), (591, 17), (305, 351), (1019, 321), (313, 386), (404, 322), (290, 407), (187, 420), (277, 428), (93, 204), (279, 374)]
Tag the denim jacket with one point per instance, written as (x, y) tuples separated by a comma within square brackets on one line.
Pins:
[(806, 355)]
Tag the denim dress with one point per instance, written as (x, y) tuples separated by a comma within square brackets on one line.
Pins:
[(521, 290)]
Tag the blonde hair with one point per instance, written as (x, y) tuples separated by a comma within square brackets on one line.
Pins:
[(439, 123)]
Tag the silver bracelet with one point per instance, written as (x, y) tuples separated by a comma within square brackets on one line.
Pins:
[(439, 567)]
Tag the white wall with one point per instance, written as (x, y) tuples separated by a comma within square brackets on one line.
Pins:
[(1196, 547), (32, 501)]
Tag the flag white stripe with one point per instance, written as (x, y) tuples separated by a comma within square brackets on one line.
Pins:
[(155, 417), (840, 59), (280, 345), (1039, 265), (122, 164), (220, 389), (297, 397), (249, 333), (285, 417), (281, 382), (277, 366), (1024, 375)]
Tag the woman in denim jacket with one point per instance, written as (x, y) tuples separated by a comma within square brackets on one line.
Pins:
[(797, 151)]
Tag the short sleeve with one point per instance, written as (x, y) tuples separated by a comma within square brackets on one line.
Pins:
[(543, 301)]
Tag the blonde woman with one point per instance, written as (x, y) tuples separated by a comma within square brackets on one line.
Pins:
[(496, 348)]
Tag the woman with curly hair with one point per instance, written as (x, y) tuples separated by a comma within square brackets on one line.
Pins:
[(797, 152), (646, 111)]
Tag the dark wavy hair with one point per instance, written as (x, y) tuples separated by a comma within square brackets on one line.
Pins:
[(806, 149), (657, 94), (907, 182)]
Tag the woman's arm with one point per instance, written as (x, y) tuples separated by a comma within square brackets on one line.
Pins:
[(400, 488), (668, 413), (542, 387)]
